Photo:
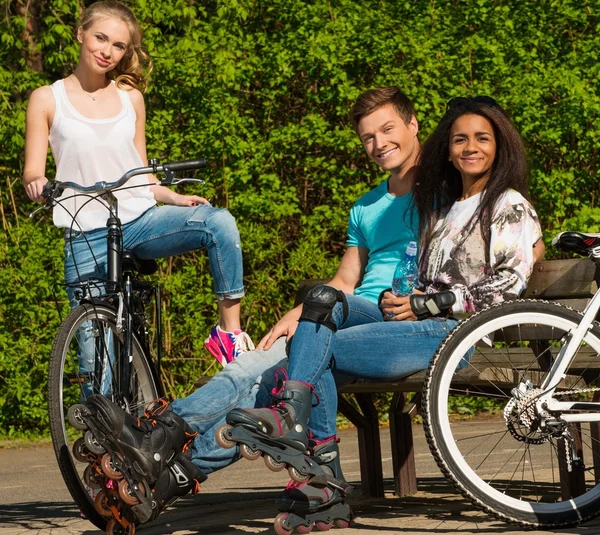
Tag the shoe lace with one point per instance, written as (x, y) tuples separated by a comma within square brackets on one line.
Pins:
[(155, 408), (190, 440), (294, 485), (243, 343)]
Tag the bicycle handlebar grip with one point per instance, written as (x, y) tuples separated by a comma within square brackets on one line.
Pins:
[(188, 165), (51, 190)]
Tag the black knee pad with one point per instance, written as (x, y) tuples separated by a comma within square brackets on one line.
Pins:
[(320, 302)]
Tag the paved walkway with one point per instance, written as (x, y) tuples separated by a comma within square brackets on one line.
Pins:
[(239, 500)]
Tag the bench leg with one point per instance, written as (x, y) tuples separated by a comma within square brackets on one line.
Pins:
[(403, 455), (369, 445)]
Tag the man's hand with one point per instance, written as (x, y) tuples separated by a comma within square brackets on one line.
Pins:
[(286, 326), (397, 308), (35, 187)]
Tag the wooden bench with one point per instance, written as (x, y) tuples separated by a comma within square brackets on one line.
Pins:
[(571, 282)]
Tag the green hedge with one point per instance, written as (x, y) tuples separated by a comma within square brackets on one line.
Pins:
[(262, 89)]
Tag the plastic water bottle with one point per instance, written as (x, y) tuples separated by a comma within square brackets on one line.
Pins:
[(405, 275)]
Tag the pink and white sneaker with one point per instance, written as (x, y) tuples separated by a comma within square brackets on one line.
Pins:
[(225, 346)]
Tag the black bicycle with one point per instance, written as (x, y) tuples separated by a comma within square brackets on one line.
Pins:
[(104, 345)]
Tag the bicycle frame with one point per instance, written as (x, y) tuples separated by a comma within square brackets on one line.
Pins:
[(546, 402), (120, 289)]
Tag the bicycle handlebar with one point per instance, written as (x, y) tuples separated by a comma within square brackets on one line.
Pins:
[(189, 165), (53, 188)]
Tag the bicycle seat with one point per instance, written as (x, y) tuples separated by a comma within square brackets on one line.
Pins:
[(578, 242), (130, 262)]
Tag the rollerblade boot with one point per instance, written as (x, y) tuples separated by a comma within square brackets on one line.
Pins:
[(280, 433), (178, 478), (319, 503), (140, 464)]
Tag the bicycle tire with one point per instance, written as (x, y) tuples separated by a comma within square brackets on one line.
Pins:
[(503, 463), (67, 385)]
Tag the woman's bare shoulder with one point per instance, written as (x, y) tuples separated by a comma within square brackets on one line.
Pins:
[(135, 95), (42, 96)]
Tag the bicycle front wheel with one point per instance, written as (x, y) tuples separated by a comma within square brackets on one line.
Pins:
[(504, 461), (85, 360)]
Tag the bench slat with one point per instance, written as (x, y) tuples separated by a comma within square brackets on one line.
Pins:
[(563, 279)]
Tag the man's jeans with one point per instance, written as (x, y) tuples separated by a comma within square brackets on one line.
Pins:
[(364, 346), (244, 383)]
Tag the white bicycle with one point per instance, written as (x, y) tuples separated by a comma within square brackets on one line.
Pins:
[(535, 460)]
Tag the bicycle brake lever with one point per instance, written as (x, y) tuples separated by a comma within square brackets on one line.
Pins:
[(44, 207), (179, 180)]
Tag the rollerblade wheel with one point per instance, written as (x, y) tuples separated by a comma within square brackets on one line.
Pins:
[(305, 529), (114, 528), (127, 495), (92, 444), (324, 526), (109, 468), (92, 478), (273, 465), (297, 476), (80, 451), (249, 453), (279, 524), (341, 523), (222, 438), (75, 416), (102, 505)]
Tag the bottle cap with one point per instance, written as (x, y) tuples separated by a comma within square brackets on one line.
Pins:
[(411, 249)]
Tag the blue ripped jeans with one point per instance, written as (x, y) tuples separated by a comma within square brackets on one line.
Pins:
[(364, 346), (164, 231), (159, 232), (244, 383)]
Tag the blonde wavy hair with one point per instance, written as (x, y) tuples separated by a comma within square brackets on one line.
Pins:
[(133, 70)]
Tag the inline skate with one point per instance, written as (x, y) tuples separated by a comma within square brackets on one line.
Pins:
[(139, 465), (280, 434), (319, 503)]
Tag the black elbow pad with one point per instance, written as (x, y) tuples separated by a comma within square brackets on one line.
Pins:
[(431, 305)]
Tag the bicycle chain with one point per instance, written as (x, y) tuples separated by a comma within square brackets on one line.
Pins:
[(579, 391), (527, 416)]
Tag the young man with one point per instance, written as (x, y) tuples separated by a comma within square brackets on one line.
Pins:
[(381, 225), (381, 221)]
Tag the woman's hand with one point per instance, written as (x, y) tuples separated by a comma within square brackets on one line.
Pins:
[(35, 187), (397, 308), (168, 196), (286, 326), (189, 200)]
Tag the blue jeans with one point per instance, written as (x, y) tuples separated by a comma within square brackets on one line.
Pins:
[(159, 232), (364, 346), (244, 383), (164, 231)]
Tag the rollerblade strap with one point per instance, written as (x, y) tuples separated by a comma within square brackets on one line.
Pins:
[(326, 481)]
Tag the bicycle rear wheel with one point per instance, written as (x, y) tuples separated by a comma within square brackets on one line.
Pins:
[(84, 360), (504, 461)]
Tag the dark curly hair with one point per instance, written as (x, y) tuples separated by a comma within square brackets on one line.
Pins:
[(438, 183)]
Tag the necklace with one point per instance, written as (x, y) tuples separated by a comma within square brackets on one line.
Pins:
[(93, 96)]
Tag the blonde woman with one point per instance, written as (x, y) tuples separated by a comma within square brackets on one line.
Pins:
[(94, 120)]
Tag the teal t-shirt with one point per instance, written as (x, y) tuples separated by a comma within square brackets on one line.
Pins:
[(383, 224)]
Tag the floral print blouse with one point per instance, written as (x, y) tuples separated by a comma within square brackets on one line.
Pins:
[(456, 257)]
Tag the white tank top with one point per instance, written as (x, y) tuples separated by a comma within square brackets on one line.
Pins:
[(87, 151)]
